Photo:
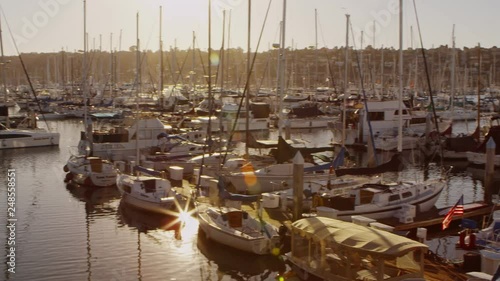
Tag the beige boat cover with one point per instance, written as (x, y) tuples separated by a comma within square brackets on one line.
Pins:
[(361, 238)]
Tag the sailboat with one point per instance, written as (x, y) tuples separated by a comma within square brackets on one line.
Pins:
[(84, 168), (377, 201), (152, 192), (27, 133), (237, 228)]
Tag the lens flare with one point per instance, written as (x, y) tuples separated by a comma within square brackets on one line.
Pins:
[(214, 59)]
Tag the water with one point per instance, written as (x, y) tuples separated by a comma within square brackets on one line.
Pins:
[(71, 233)]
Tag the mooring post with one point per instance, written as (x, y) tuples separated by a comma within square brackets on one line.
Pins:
[(489, 170), (298, 185), (287, 129)]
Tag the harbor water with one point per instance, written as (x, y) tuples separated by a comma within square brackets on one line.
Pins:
[(73, 233)]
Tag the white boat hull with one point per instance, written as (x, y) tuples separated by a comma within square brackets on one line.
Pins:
[(27, 138), (255, 124), (480, 158), (160, 200), (253, 242), (97, 180), (426, 198), (391, 143), (91, 171), (306, 123), (154, 207)]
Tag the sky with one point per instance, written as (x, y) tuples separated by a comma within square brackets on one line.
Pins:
[(54, 25)]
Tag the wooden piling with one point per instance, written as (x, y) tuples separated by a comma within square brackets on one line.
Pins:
[(287, 129), (298, 185)]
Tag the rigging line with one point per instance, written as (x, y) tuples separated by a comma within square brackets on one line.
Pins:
[(245, 91), (428, 81), (221, 54), (167, 60), (24, 68), (330, 69), (266, 69), (201, 61), (358, 64)]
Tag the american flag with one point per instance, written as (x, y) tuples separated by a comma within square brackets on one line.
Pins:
[(457, 210)]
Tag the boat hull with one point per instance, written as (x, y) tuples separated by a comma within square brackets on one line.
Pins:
[(134, 192), (255, 184), (35, 140), (91, 171), (426, 199), (477, 158), (96, 180), (257, 245), (153, 207)]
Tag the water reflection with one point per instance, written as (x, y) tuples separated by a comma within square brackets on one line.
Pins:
[(146, 221), (97, 200), (241, 265)]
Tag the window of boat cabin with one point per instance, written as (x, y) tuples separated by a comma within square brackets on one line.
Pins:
[(405, 112), (149, 185), (407, 194), (418, 120), (376, 116), (394, 197)]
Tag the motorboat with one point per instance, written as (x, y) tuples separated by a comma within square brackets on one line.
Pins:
[(27, 134)]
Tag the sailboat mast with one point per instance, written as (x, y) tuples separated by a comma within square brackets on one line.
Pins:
[(138, 90), (315, 46), (222, 62), (4, 87), (282, 69), (193, 58), (400, 107), (210, 98), (346, 83), (382, 66), (88, 128), (160, 90), (247, 95), (84, 62), (479, 86), (452, 73), (111, 74), (228, 45)]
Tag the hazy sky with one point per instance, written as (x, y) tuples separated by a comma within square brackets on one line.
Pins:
[(51, 25)]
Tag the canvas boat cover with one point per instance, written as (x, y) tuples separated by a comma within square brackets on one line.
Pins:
[(361, 238)]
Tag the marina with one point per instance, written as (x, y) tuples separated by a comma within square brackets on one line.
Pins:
[(55, 218), (365, 162)]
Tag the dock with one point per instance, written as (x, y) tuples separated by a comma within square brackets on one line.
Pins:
[(434, 217)]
